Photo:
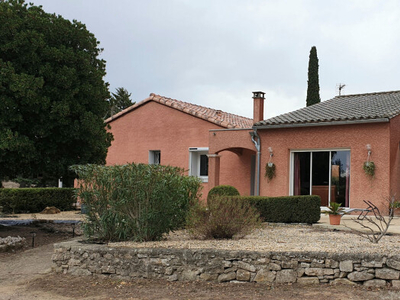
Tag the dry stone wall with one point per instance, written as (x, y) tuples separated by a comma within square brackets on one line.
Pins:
[(227, 266)]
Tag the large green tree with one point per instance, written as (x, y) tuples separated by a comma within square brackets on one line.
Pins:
[(313, 79), (119, 101), (52, 94)]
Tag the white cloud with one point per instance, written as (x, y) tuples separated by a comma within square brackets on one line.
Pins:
[(215, 53)]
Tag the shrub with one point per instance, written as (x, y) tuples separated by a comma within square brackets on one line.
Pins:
[(222, 190), (223, 218), (288, 209), (134, 201), (34, 200)]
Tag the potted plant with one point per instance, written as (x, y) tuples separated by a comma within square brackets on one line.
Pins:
[(335, 212), (393, 208), (270, 171), (369, 168)]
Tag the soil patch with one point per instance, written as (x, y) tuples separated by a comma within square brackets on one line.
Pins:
[(73, 287), (43, 233)]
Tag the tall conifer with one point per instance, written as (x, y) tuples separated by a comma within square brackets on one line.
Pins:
[(313, 79)]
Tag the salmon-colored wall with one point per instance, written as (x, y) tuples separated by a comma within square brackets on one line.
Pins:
[(395, 157), (235, 170), (230, 139), (154, 126), (353, 137)]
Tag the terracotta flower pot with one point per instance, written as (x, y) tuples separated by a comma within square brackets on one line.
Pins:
[(335, 219)]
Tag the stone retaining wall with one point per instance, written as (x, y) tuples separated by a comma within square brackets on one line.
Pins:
[(224, 266)]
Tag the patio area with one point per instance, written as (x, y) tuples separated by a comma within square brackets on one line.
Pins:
[(348, 223)]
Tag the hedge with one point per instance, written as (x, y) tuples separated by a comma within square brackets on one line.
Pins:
[(288, 209), (222, 190), (34, 200)]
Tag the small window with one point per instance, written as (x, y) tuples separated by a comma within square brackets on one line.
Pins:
[(198, 163), (203, 165), (154, 157)]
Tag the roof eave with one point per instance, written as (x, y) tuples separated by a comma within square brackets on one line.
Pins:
[(330, 123)]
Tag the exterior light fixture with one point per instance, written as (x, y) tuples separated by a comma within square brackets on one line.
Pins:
[(33, 238), (271, 153), (368, 147)]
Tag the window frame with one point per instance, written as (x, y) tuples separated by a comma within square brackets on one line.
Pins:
[(291, 166), (152, 157), (194, 162)]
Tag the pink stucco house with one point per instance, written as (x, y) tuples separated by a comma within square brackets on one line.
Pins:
[(160, 130), (321, 149), (318, 149)]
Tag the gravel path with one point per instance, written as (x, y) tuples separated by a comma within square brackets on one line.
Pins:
[(272, 237), (282, 238), (18, 270)]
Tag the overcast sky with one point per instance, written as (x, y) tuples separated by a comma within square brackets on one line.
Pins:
[(215, 53)]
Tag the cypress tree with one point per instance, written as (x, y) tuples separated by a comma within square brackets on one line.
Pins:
[(313, 79)]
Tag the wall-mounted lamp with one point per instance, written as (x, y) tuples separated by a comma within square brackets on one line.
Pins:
[(368, 147), (271, 153)]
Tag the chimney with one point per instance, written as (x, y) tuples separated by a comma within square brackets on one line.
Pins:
[(258, 106)]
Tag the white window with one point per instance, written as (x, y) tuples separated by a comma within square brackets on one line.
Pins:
[(154, 157), (198, 163)]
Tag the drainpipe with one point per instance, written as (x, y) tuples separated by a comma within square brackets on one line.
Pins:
[(257, 143)]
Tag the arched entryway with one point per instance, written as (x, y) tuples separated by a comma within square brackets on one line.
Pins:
[(232, 160)]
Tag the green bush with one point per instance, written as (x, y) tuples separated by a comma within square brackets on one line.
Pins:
[(222, 218), (135, 201), (288, 209), (222, 190), (34, 200)]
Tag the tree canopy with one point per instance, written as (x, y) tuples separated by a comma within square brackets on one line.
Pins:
[(313, 79), (52, 94), (119, 101)]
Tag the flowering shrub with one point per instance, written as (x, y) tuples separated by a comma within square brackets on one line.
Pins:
[(135, 201)]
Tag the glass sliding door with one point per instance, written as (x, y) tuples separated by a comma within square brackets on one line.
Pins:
[(340, 176), (322, 173), (320, 176), (302, 173)]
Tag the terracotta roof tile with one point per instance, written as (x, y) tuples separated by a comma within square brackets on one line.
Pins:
[(218, 117)]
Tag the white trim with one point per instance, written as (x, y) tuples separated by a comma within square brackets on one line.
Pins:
[(194, 154), (291, 172), (152, 160)]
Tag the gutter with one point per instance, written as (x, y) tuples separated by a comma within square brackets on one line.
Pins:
[(257, 143), (230, 129), (331, 123)]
